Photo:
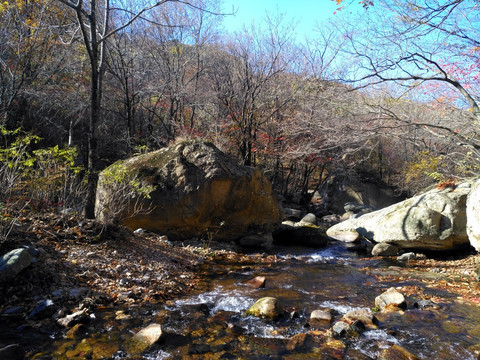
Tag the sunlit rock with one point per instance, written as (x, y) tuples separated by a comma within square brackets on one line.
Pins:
[(268, 307), (145, 338), (391, 298), (365, 316), (435, 220), (473, 215), (194, 190)]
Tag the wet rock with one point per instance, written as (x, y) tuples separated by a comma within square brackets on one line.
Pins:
[(73, 319), (13, 262), (300, 234), (340, 329), (423, 304), (345, 235), (120, 315), (411, 256), (42, 310), (292, 214), (268, 307), (397, 352), (385, 249), (12, 352), (145, 338), (365, 316), (256, 240), (319, 316), (257, 282), (75, 331), (309, 219), (391, 298), (297, 342)]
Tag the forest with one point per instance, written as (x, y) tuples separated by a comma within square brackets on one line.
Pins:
[(390, 94)]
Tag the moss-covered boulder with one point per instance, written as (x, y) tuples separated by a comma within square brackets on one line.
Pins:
[(188, 190)]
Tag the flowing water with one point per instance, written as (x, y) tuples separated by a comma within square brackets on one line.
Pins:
[(210, 324)]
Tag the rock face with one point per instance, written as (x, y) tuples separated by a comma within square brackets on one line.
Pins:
[(473, 215), (435, 220), (198, 192)]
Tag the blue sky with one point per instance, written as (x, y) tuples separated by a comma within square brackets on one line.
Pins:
[(306, 12)]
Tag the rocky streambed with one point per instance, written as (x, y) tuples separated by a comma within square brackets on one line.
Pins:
[(127, 313)]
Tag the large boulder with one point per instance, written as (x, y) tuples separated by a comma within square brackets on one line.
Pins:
[(435, 220), (473, 215), (195, 190)]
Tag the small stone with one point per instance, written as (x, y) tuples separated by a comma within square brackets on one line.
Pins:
[(390, 298), (257, 282), (321, 315), (268, 307), (384, 249), (340, 328), (365, 316), (73, 319)]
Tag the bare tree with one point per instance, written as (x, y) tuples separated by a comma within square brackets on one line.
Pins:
[(98, 21)]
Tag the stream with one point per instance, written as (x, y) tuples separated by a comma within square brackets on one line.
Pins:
[(210, 323)]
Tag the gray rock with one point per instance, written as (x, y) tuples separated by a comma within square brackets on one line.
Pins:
[(365, 316), (324, 315), (473, 215), (341, 329), (384, 249), (13, 262), (391, 298), (435, 220)]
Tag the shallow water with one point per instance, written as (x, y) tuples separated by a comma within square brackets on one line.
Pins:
[(210, 323)]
